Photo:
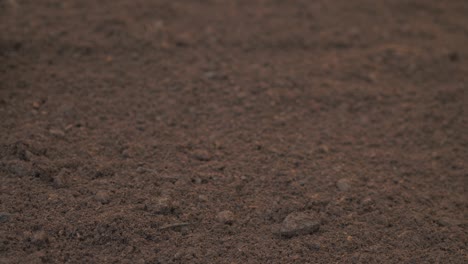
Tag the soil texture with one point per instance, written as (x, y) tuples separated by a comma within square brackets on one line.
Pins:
[(248, 131)]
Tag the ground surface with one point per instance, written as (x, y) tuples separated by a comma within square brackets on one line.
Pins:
[(128, 126)]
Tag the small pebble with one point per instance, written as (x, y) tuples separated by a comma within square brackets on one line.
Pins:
[(203, 198), (180, 182), (39, 237), (4, 217), (141, 170), (126, 154), (160, 205), (296, 224), (324, 149), (445, 221), (343, 185), (178, 255), (102, 196), (28, 156), (197, 180), (201, 155), (61, 179), (313, 246), (210, 75), (36, 105), (56, 132), (225, 217), (367, 201)]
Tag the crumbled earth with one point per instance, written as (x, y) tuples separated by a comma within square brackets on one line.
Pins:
[(127, 127)]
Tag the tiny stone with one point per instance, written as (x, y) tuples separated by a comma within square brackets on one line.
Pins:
[(39, 237), (203, 198), (184, 230), (367, 201), (225, 217), (60, 180), (201, 155), (178, 255), (180, 182), (343, 185), (141, 170), (197, 180), (36, 105), (56, 132), (313, 246), (28, 156), (102, 197), (299, 224), (324, 149), (4, 217), (161, 205), (210, 75), (126, 154), (445, 221)]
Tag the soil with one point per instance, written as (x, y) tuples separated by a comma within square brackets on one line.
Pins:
[(188, 131)]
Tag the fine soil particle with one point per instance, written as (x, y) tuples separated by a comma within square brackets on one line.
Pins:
[(332, 131)]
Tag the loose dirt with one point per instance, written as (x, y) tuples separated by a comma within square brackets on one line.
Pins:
[(188, 131)]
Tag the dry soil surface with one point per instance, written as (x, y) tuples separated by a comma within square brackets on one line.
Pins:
[(211, 131)]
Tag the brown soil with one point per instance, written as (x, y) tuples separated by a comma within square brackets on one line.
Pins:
[(188, 131)]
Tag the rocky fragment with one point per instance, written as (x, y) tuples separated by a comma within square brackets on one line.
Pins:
[(296, 224)]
